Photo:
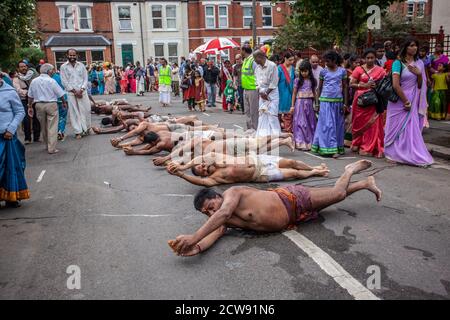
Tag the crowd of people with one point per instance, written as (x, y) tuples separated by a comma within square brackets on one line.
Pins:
[(376, 103)]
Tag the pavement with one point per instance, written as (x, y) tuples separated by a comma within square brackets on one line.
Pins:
[(437, 138), (109, 216)]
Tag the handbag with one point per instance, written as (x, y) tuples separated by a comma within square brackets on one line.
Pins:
[(386, 90), (368, 98)]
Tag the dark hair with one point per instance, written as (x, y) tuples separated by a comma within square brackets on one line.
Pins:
[(377, 46), (369, 51), (353, 57), (202, 195), (151, 137), (404, 48), (425, 48), (71, 49), (333, 56), (347, 56), (390, 55), (247, 49), (194, 172), (287, 55), (306, 66), (106, 121), (21, 61)]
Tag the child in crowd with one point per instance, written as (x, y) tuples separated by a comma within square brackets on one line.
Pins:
[(230, 96), (333, 93), (438, 103), (303, 98), (200, 91)]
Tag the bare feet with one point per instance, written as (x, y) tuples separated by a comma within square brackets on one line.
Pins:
[(54, 151), (78, 136), (321, 172), (372, 187), (321, 167), (359, 166), (289, 143)]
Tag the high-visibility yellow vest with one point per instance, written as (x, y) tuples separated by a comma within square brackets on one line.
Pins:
[(165, 76), (248, 78)]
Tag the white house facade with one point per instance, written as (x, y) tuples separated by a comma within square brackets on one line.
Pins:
[(149, 29)]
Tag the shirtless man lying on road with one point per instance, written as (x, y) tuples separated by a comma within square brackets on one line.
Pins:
[(231, 147), (266, 211), (145, 127), (213, 169), (108, 109)]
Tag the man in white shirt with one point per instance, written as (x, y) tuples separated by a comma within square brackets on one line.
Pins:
[(267, 85), (74, 78), (44, 91)]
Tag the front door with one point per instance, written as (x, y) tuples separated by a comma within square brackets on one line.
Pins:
[(127, 54)]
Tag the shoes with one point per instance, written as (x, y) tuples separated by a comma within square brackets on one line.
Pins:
[(12, 204)]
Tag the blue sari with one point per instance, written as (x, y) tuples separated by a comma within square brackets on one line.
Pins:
[(13, 186)]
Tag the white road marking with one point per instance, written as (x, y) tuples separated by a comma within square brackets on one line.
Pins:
[(313, 155), (238, 126), (331, 267), (206, 114), (39, 179), (176, 195), (133, 215), (344, 158)]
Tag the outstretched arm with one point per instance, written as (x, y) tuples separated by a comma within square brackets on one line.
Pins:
[(204, 244), (231, 200), (205, 182)]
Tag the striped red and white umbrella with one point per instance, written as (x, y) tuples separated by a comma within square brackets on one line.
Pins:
[(217, 44)]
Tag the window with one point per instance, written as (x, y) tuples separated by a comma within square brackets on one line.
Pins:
[(420, 9), (223, 17), (66, 17), (171, 17), (410, 9), (267, 16), (61, 58), (173, 52), (210, 20), (75, 18), (85, 18), (159, 50), (125, 18), (157, 17), (248, 16), (97, 56)]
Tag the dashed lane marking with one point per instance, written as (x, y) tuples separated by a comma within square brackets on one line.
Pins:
[(331, 267), (313, 155), (39, 179)]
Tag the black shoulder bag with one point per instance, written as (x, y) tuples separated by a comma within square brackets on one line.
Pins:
[(368, 98)]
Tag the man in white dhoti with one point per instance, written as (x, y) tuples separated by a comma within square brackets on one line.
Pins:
[(267, 85), (74, 78), (165, 82)]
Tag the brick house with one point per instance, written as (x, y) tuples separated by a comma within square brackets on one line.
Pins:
[(413, 9), (232, 19), (83, 25)]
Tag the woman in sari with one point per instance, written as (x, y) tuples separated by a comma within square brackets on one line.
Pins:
[(286, 75), (403, 141), (438, 58), (110, 84), (13, 186), (101, 80), (367, 124)]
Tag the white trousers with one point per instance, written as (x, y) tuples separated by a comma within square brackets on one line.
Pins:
[(79, 113)]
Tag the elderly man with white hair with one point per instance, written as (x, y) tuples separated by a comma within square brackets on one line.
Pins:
[(44, 92)]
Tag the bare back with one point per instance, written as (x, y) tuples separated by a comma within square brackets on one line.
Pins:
[(258, 210)]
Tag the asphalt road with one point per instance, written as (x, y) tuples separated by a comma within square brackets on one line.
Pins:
[(111, 215)]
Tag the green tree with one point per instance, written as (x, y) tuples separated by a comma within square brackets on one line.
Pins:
[(342, 20), (17, 27)]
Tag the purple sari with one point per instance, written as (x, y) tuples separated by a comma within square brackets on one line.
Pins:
[(403, 133)]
